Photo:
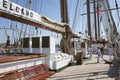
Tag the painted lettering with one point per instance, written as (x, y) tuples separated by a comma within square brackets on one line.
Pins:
[(11, 7), (22, 11), (5, 3), (17, 9), (31, 14), (27, 12)]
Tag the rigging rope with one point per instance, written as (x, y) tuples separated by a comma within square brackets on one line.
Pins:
[(12, 30), (41, 5), (5, 32), (29, 31), (20, 33), (40, 11), (75, 16), (108, 19), (104, 27), (70, 9), (114, 32), (117, 13), (83, 19)]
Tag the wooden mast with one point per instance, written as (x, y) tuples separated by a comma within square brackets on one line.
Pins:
[(64, 11), (95, 20), (88, 18), (98, 20), (65, 41)]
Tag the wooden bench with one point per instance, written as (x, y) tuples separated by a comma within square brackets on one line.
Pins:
[(42, 72), (38, 72)]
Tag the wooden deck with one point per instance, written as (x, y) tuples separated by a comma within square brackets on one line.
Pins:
[(90, 70)]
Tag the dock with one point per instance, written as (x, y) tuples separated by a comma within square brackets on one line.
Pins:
[(90, 70)]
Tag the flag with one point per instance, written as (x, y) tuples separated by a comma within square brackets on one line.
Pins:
[(99, 11)]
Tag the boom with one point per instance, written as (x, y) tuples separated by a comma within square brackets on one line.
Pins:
[(18, 13)]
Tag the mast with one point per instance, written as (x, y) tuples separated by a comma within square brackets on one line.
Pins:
[(95, 20), (98, 15), (64, 11), (65, 41), (88, 18)]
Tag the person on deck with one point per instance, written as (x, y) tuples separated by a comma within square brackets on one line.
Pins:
[(102, 50), (8, 41), (90, 51), (110, 51), (99, 55)]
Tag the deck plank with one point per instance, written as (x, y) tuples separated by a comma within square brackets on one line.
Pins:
[(90, 70)]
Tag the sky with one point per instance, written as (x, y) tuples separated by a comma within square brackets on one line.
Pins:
[(51, 9)]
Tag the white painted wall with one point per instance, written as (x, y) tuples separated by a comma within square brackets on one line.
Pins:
[(4, 67)]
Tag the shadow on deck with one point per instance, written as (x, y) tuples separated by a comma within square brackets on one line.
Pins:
[(90, 75), (88, 71)]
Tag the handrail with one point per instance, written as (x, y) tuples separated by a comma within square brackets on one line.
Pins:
[(23, 57)]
